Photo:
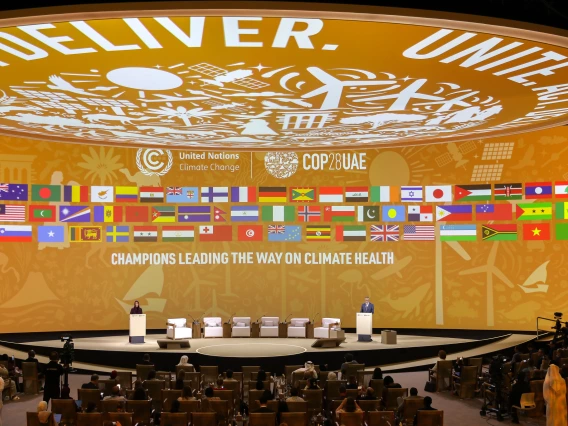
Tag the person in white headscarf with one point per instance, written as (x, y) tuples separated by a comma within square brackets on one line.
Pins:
[(554, 393), (308, 368), (185, 361)]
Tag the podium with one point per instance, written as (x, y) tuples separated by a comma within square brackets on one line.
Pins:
[(196, 330), (364, 326), (255, 329), (283, 330), (227, 328), (137, 328)]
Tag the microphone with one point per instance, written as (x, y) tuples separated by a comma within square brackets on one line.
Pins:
[(286, 320), (263, 315), (315, 316), (193, 319), (231, 318)]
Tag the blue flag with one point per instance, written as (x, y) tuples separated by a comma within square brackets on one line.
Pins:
[(51, 234), (182, 194), (284, 233)]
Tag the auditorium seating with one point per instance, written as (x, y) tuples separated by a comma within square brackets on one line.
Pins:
[(332, 388), (297, 327), (209, 373), (177, 329), (125, 419), (212, 327), (430, 418), (30, 378), (409, 408), (124, 379), (380, 418), (442, 376), (106, 386), (89, 419), (241, 327), (377, 385), (269, 326), (262, 419), (141, 410), (174, 419), (203, 419), (142, 371), (294, 418), (168, 396), (186, 368), (65, 407), (326, 323), (392, 394), (466, 383), (89, 395)]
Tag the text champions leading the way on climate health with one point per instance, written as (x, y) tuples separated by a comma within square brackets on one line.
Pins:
[(247, 258)]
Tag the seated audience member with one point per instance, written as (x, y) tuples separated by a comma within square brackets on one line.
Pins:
[(259, 385), (400, 401), (308, 375), (152, 375), (458, 365), (377, 375), (45, 417), (184, 361), (229, 376), (520, 387), (389, 383), (93, 384), (209, 394), (530, 367), (268, 395), (518, 352), (32, 357), (342, 392), (175, 406), (441, 357), (348, 360), (352, 383), (427, 406), (186, 394), (179, 380), (91, 407), (9, 382), (541, 357), (348, 406), (146, 360), (564, 371), (294, 396), (220, 384), (261, 375), (139, 392), (312, 384), (557, 358), (308, 366), (367, 395), (114, 395), (331, 376), (66, 394), (263, 405), (113, 375)]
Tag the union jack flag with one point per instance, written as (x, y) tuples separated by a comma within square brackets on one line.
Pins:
[(276, 229), (3, 187), (385, 233), (173, 190)]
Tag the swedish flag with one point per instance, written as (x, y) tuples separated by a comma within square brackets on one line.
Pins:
[(117, 234)]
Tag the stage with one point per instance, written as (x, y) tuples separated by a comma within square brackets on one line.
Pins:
[(105, 352)]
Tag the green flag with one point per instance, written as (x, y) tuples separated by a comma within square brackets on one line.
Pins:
[(562, 231), (46, 192), (278, 213)]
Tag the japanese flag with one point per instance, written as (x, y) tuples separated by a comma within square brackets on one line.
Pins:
[(438, 193)]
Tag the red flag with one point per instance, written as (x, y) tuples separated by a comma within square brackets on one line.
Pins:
[(218, 216), (536, 231), (494, 211), (216, 233), (250, 233), (137, 214)]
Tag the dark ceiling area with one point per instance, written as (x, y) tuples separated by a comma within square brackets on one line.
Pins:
[(552, 13)]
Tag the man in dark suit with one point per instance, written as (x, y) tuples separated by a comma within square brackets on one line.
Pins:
[(367, 306), (263, 406), (93, 384)]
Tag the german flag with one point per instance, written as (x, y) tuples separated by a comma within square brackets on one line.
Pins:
[(272, 194), (318, 233)]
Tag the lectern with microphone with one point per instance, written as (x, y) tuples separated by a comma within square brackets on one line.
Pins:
[(364, 326), (137, 328)]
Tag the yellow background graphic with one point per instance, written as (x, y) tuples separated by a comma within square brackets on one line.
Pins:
[(470, 285)]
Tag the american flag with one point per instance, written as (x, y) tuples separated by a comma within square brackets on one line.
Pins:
[(418, 233), (12, 213), (385, 233), (173, 190), (276, 229)]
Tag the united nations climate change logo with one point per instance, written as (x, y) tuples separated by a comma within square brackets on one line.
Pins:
[(281, 165), (154, 161)]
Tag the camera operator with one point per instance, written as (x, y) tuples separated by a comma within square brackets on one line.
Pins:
[(518, 388), (53, 372)]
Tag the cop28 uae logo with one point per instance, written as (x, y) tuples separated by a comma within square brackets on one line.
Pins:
[(154, 161), (281, 165)]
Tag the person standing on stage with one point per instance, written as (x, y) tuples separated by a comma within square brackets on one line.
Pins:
[(367, 306), (136, 309), (53, 372)]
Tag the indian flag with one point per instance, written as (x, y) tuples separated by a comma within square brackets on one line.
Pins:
[(178, 233)]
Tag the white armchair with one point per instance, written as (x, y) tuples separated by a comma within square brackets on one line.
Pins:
[(241, 327), (269, 326), (177, 329), (323, 331), (297, 327), (212, 327)]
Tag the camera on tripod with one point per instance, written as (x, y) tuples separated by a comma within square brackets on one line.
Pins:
[(68, 354)]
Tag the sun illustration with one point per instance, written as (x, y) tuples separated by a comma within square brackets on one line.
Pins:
[(101, 166)]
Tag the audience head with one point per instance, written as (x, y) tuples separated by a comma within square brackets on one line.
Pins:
[(91, 407), (427, 402), (115, 391), (370, 392), (350, 406), (261, 375), (352, 380), (377, 373), (146, 357), (137, 384), (229, 374), (309, 365), (263, 400), (294, 392), (113, 374), (54, 356), (209, 392), (42, 406), (95, 379), (331, 376), (183, 360), (139, 393), (31, 353), (186, 392), (175, 406), (259, 385), (65, 392), (349, 357), (413, 392), (516, 358), (442, 354), (220, 382), (541, 352), (342, 390), (388, 380), (151, 374)]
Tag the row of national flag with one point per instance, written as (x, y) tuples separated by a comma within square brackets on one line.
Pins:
[(282, 194), (304, 213), (282, 233)]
